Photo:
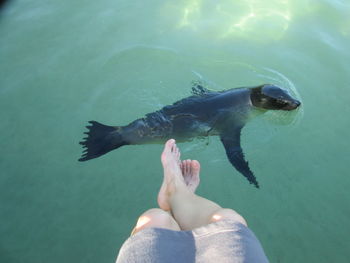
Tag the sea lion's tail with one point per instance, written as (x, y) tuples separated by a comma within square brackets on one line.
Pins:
[(100, 140)]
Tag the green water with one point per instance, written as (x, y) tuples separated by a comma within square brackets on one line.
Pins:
[(63, 63)]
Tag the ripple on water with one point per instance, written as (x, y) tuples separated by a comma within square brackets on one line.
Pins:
[(162, 76), (263, 128)]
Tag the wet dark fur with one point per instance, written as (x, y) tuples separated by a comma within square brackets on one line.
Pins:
[(205, 113)]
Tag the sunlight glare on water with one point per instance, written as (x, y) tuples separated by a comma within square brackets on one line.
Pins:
[(63, 63)]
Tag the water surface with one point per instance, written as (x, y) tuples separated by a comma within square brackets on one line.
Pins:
[(63, 63)]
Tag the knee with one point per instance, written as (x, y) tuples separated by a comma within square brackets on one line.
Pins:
[(155, 217), (227, 214)]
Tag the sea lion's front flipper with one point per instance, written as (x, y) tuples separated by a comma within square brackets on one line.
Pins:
[(231, 140)]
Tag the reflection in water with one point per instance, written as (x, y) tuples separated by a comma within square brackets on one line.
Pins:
[(227, 19), (190, 12), (345, 28)]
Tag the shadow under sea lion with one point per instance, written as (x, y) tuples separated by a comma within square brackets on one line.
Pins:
[(205, 113)]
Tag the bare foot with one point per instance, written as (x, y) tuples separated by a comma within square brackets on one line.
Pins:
[(172, 174), (190, 171)]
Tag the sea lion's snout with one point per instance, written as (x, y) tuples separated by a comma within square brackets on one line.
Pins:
[(271, 97), (292, 105)]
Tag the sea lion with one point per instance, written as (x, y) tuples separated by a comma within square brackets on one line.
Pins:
[(205, 113)]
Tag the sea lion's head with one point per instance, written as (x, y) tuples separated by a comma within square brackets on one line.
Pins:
[(271, 97)]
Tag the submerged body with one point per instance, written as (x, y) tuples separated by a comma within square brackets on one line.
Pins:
[(205, 113), (195, 116)]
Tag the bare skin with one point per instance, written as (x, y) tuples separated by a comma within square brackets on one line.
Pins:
[(190, 172), (181, 208), (187, 170), (163, 219), (188, 209)]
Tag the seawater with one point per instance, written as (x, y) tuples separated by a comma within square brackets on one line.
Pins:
[(63, 63)]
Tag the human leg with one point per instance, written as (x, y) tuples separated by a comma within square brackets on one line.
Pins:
[(188, 209), (155, 217)]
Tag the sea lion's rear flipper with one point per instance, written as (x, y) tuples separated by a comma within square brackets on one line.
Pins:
[(101, 139), (231, 140)]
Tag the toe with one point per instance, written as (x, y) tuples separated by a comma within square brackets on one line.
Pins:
[(195, 166), (177, 152), (183, 167), (188, 166), (170, 142), (167, 150), (195, 169), (169, 145)]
